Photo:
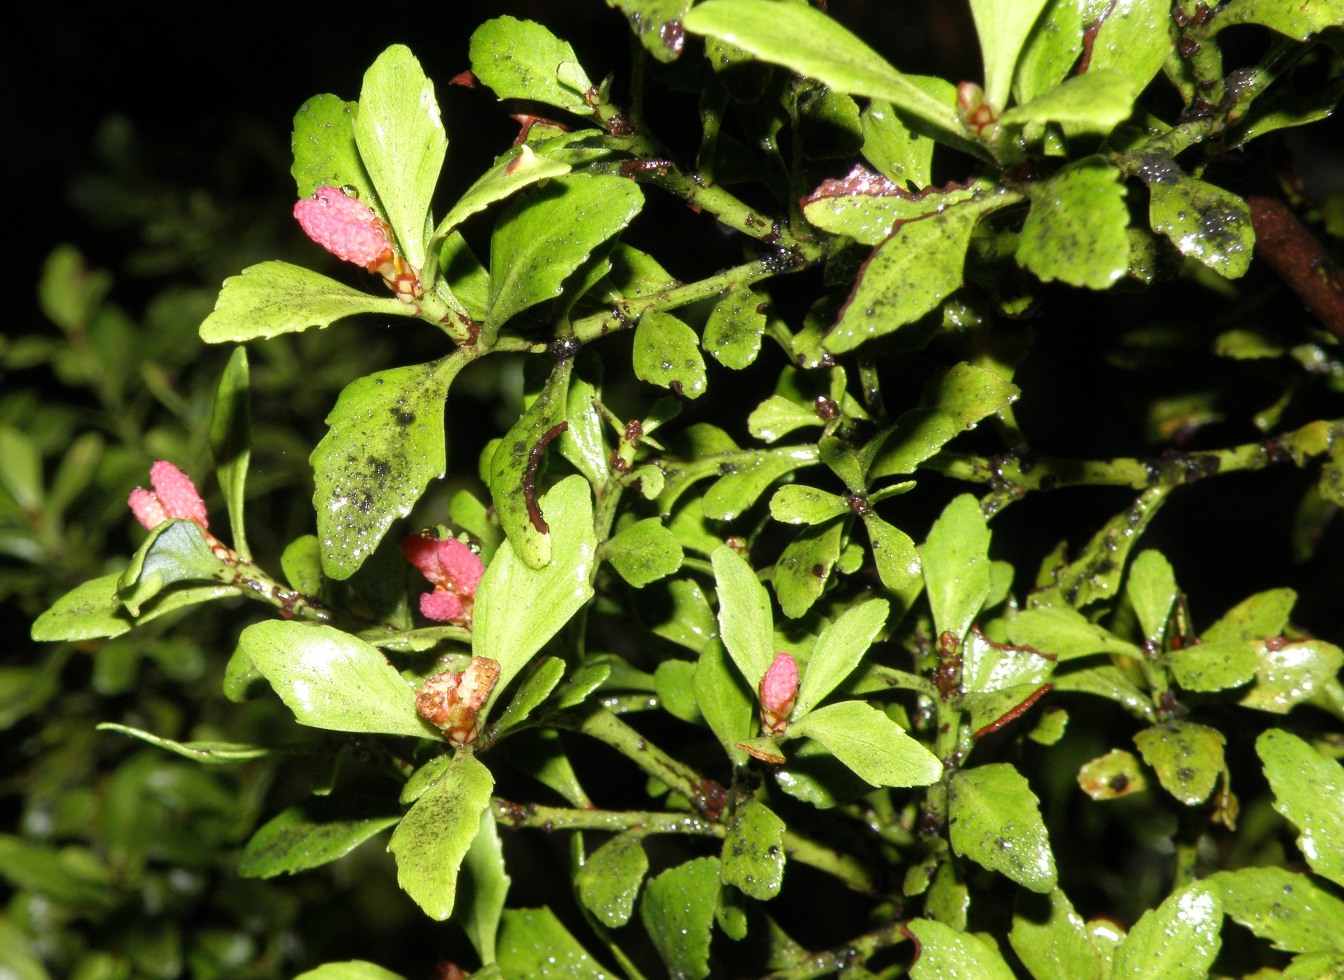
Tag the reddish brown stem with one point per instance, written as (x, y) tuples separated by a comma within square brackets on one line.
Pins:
[(1299, 260)]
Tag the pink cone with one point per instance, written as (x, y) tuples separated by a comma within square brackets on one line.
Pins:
[(346, 227)]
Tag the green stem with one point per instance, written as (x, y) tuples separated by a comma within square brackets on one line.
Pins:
[(705, 795), (254, 583), (1016, 474), (855, 951), (845, 867), (518, 816), (626, 312)]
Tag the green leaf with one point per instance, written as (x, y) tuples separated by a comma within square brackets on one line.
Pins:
[(1065, 632), (1264, 614), (175, 551), (898, 152), (609, 880), (895, 554), (644, 552), (734, 328), (93, 610), (995, 820), (310, 835), (1110, 682), (1297, 20), (301, 561), (1075, 231), (777, 416), (1003, 27), (325, 154), (518, 608), (482, 888), (549, 233), (677, 913), (520, 59), (272, 298), (384, 444), (796, 504), (805, 566), (516, 169), (988, 666), (1135, 38), (745, 624), (1203, 221), (1215, 666), (1097, 100), (868, 209), (1178, 939), (1051, 51), (20, 469), (1188, 758), (349, 970), (689, 622), (332, 680), (535, 687), (206, 753), (1288, 909), (583, 442), (909, 274), (749, 476), (1050, 938), (725, 700), (533, 943), (1111, 776), (753, 851), (1307, 790), (949, 954), (402, 143), (955, 561), (231, 442), (1289, 673), (667, 354), (674, 683), (515, 462), (838, 651), (1152, 591), (657, 24), (433, 838), (871, 744), (808, 42)]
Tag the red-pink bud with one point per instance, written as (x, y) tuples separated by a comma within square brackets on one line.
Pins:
[(346, 227), (454, 570), (778, 688), (452, 701), (174, 497)]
